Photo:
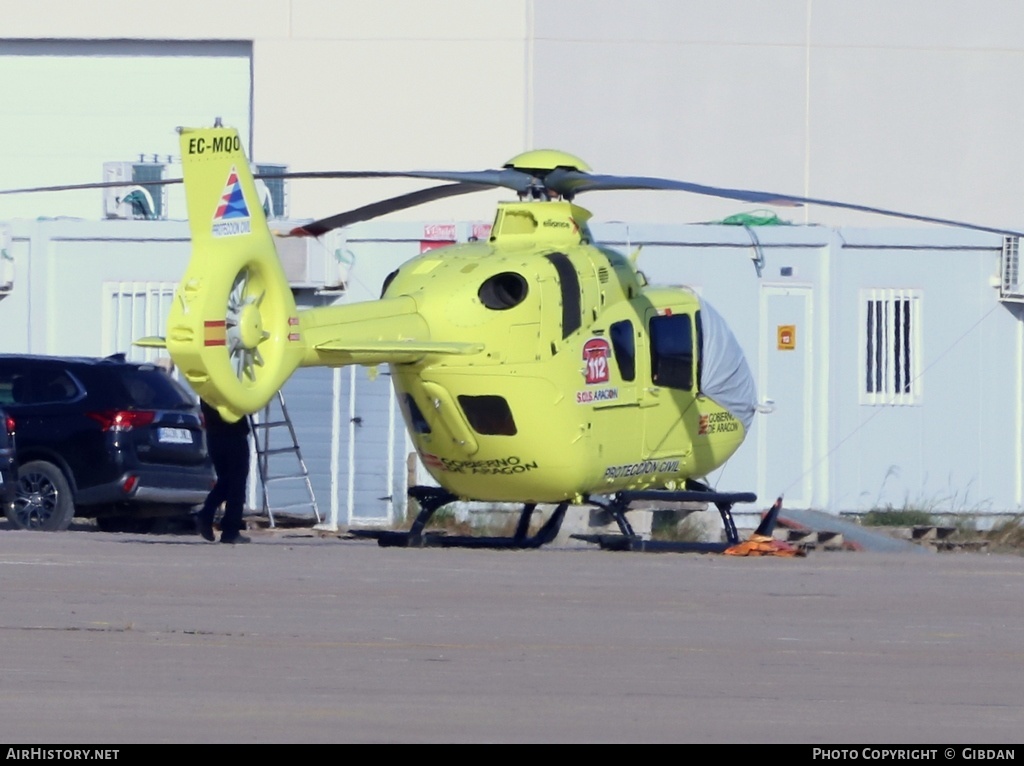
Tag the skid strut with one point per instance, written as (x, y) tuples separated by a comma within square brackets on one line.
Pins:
[(618, 504), (431, 499)]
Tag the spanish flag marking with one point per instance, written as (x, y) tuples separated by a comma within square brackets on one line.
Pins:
[(215, 333)]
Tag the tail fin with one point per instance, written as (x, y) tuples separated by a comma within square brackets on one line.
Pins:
[(233, 329)]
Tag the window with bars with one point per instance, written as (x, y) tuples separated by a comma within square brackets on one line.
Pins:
[(890, 326)]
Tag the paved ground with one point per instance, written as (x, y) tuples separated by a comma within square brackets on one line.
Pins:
[(126, 638)]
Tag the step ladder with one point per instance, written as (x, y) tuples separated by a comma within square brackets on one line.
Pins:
[(271, 472)]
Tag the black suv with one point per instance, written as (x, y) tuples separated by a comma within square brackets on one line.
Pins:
[(120, 441)]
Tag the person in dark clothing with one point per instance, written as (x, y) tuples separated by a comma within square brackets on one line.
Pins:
[(228, 444)]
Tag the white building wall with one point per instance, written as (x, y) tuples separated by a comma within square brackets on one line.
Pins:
[(958, 449), (62, 270), (72, 105), (902, 105), (905, 105)]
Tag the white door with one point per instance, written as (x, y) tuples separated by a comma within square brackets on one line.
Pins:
[(72, 105), (785, 385)]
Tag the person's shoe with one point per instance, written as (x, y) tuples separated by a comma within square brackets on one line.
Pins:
[(205, 529), (235, 539)]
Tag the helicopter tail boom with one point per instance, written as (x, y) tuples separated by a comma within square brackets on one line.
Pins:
[(233, 328), (386, 331)]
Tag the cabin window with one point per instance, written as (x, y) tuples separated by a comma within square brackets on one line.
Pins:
[(503, 291), (416, 420), (624, 348), (890, 371), (569, 284), (489, 415), (672, 351)]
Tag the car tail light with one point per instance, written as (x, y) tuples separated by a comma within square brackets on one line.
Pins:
[(10, 425), (122, 420), (129, 484)]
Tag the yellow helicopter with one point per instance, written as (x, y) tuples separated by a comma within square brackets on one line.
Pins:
[(535, 367)]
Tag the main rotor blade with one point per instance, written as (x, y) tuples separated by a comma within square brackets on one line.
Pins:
[(92, 185), (568, 183), (564, 181), (365, 213), (506, 177)]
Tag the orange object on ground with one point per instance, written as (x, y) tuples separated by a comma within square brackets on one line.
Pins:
[(762, 545)]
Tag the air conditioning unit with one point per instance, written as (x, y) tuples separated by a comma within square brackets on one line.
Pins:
[(138, 198), (1011, 278), (315, 263)]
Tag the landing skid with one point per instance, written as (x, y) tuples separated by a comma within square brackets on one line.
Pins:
[(432, 498), (617, 506)]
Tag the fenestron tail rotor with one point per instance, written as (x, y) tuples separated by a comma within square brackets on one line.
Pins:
[(244, 328), (234, 329)]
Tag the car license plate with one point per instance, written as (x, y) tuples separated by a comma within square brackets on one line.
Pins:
[(175, 436)]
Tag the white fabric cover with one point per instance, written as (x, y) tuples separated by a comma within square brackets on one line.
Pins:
[(725, 376)]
